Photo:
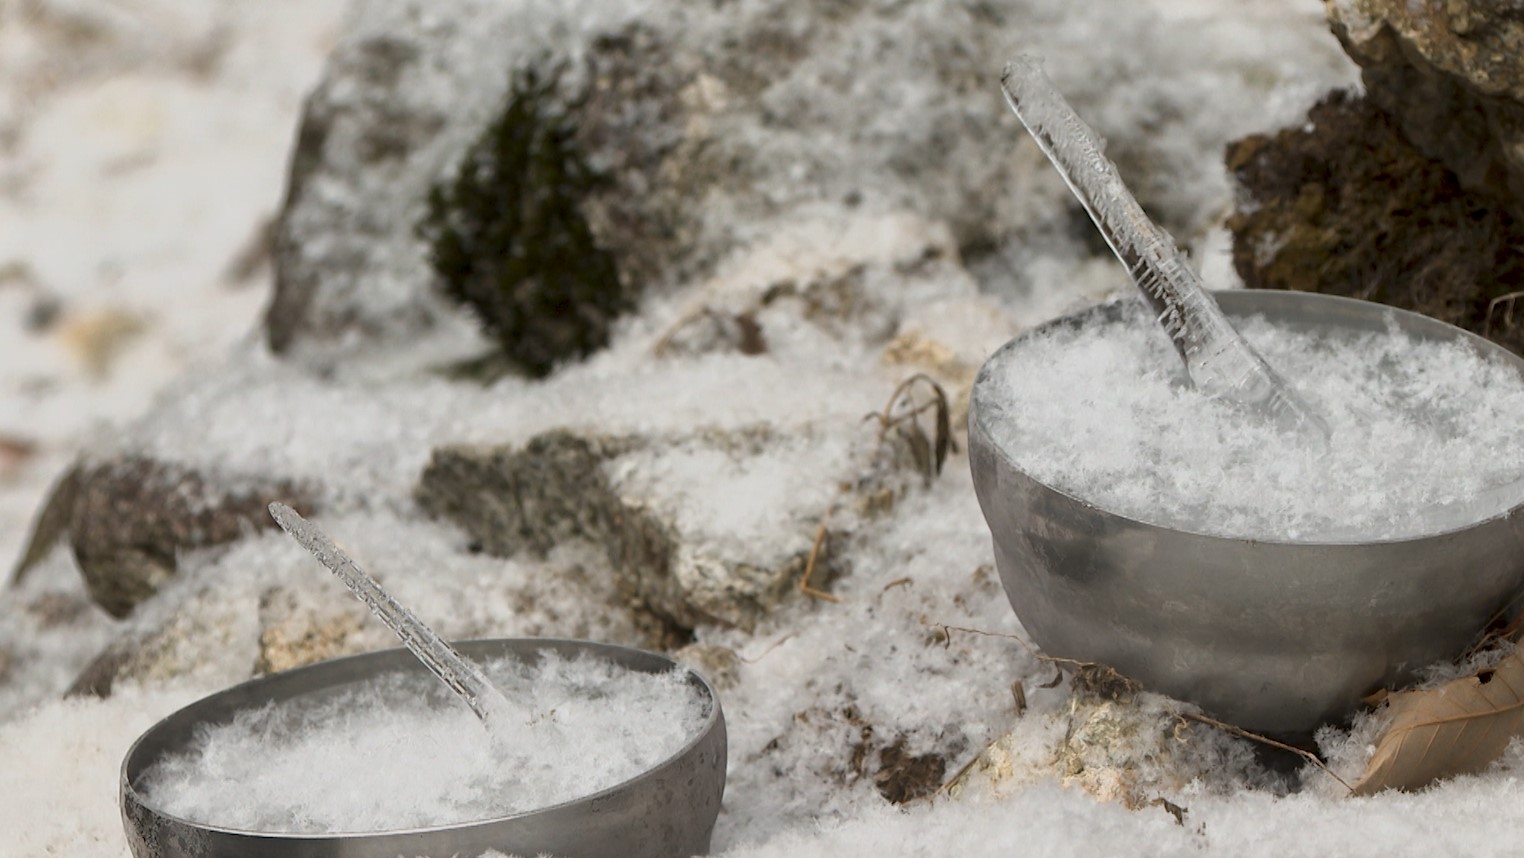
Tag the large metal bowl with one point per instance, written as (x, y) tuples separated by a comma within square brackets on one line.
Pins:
[(667, 811), (1278, 637)]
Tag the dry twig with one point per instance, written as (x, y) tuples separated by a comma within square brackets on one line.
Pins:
[(805, 586), (1511, 299), (766, 652), (1265, 740), (930, 453)]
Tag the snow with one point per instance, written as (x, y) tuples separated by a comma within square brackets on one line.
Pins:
[(127, 219), (400, 751), (1421, 432), (62, 768), (142, 152)]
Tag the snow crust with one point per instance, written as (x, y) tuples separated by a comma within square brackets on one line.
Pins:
[(1422, 432)]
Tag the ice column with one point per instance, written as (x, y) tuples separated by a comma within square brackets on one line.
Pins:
[(1216, 357), (463, 677)]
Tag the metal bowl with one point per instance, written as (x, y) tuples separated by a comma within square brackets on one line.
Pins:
[(667, 811), (1278, 637)]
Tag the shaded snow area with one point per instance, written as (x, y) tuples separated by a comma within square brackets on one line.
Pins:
[(670, 490)]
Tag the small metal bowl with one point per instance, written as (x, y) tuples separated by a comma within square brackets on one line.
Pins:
[(667, 811), (1278, 637)]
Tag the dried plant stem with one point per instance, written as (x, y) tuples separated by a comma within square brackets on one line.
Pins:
[(768, 651), (805, 587), (1265, 740), (964, 769), (1025, 644), (1511, 300)]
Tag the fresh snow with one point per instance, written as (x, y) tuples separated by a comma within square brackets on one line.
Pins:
[(1422, 432), (400, 751)]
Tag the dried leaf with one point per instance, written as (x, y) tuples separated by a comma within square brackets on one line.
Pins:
[(1457, 728)]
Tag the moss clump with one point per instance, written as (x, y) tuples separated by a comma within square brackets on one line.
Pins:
[(508, 238)]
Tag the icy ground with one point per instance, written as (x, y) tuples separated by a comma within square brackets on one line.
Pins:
[(142, 143)]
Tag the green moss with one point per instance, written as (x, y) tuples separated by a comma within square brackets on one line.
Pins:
[(508, 238)]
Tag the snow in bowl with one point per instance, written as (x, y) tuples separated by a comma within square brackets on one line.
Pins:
[(621, 753), (1212, 556)]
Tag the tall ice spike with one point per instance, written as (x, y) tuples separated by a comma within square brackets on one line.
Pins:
[(1217, 358), (464, 678)]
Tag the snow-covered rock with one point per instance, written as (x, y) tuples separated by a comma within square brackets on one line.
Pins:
[(714, 127), (127, 518), (1453, 76), (711, 528)]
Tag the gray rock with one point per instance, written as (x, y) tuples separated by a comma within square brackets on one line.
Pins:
[(718, 664), (129, 517), (563, 486), (1453, 75), (52, 525), (294, 632)]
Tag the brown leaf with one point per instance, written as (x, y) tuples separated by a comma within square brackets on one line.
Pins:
[(1457, 728)]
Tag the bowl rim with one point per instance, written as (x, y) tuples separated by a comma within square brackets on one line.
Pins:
[(978, 416), (715, 719)]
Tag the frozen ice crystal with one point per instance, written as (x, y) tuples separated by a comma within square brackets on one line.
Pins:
[(1217, 359), (467, 680)]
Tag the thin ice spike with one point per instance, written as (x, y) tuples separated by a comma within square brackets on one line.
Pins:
[(463, 677), (1217, 358)]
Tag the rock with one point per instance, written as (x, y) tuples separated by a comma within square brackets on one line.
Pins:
[(357, 129), (191, 639), (1132, 750), (530, 498), (1452, 74), (52, 525), (131, 516), (706, 129), (718, 664), (651, 505), (295, 632), (1347, 206)]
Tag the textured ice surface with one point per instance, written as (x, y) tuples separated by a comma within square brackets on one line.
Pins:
[(1424, 434), (462, 676), (400, 751)]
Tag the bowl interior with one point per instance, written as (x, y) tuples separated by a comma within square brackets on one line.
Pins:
[(1296, 311), (686, 786)]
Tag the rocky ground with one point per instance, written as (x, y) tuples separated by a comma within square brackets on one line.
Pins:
[(778, 215)]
